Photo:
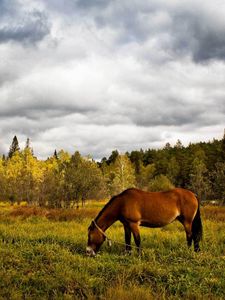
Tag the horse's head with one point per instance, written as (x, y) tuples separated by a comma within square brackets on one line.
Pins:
[(95, 239)]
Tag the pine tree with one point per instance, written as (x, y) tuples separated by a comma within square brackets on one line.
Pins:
[(178, 144), (27, 144), (14, 147), (55, 154), (112, 158)]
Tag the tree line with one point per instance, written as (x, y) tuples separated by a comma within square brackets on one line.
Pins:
[(65, 180)]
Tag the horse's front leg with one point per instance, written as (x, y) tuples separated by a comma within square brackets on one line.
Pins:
[(136, 234), (127, 232)]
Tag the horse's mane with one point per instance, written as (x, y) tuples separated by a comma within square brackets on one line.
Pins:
[(105, 207), (110, 202)]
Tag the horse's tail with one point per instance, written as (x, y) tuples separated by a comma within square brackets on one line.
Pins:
[(197, 230)]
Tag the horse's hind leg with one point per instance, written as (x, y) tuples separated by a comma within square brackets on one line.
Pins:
[(189, 237), (127, 232), (136, 234), (187, 227), (196, 245)]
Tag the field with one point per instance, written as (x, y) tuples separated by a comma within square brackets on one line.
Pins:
[(42, 256)]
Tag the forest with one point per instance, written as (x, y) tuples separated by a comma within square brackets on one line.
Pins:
[(68, 180)]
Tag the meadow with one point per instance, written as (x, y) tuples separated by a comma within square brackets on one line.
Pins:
[(42, 256)]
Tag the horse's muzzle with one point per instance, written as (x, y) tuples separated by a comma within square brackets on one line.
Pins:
[(90, 251)]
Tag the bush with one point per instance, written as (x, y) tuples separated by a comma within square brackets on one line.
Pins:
[(160, 183)]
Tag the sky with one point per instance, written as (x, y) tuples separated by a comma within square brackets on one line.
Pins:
[(99, 75)]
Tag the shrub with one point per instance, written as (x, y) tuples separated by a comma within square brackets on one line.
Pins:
[(160, 183)]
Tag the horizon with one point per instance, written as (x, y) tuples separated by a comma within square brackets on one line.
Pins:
[(23, 143)]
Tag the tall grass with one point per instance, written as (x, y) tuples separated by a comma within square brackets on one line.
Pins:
[(43, 257)]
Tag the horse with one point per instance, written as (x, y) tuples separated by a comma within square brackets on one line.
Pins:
[(134, 208)]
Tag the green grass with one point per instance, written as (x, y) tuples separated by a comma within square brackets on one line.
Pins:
[(45, 259)]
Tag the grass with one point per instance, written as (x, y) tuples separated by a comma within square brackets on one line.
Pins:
[(42, 256)]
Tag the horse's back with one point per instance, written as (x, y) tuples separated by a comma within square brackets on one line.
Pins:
[(156, 207)]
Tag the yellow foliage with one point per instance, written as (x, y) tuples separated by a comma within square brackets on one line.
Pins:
[(4, 204)]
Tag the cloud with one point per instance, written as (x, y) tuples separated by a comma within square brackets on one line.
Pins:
[(22, 25), (100, 75), (193, 28), (30, 31)]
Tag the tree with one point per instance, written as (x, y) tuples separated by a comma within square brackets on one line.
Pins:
[(218, 179), (93, 183), (199, 182), (50, 188), (112, 158), (145, 175), (122, 175), (173, 170), (55, 154), (167, 146), (136, 157), (2, 179), (27, 146), (83, 180), (14, 178), (179, 144), (30, 174), (14, 147), (223, 148)]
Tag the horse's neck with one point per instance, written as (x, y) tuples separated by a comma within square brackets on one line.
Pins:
[(107, 218)]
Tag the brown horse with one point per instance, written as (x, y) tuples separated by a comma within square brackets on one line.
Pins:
[(136, 208)]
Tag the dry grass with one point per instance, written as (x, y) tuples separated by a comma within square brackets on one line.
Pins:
[(216, 213), (208, 212), (54, 214)]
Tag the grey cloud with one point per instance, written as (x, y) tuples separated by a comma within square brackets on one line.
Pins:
[(31, 29), (22, 125), (192, 31), (179, 30), (77, 7), (178, 117), (195, 33), (7, 7), (38, 110), (167, 112), (87, 4), (211, 45), (6, 76)]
